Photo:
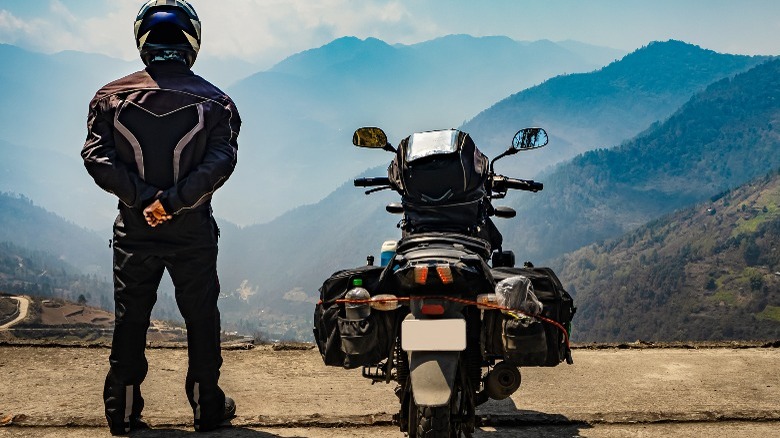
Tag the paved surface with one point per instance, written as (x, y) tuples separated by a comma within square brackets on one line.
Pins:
[(24, 305), (607, 393)]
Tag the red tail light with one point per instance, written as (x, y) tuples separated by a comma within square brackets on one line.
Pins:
[(432, 309)]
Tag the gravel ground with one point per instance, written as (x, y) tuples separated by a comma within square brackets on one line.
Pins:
[(606, 393)]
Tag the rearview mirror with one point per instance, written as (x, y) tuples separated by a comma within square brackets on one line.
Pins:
[(529, 138), (370, 137)]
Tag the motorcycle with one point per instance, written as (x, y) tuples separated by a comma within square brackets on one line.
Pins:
[(454, 319)]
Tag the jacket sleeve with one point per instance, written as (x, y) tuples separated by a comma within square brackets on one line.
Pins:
[(103, 164), (218, 164)]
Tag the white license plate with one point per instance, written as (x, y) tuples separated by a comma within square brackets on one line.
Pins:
[(433, 335)]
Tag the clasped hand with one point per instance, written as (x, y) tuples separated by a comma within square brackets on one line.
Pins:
[(155, 214)]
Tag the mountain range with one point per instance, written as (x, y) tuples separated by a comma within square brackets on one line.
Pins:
[(603, 108), (301, 113), (721, 138), (579, 206), (665, 127), (297, 115)]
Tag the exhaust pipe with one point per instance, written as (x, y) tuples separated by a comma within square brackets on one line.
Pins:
[(502, 381)]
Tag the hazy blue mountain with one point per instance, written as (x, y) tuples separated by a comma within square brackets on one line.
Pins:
[(29, 226), (43, 116), (603, 108), (58, 180), (723, 137), (301, 113), (44, 98), (297, 116), (598, 54)]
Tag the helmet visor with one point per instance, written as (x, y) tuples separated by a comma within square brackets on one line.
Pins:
[(169, 18)]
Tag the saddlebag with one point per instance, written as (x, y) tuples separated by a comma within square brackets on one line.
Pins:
[(346, 342), (537, 344)]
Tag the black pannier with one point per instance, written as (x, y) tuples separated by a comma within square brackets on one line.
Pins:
[(352, 343), (441, 176), (539, 344)]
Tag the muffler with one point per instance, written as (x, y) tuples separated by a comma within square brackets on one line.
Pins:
[(502, 381)]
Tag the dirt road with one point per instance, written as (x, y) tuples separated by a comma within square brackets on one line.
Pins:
[(607, 393), (24, 304)]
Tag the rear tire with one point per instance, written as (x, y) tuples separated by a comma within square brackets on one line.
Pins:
[(433, 422)]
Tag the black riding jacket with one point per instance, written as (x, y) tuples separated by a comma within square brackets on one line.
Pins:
[(162, 129)]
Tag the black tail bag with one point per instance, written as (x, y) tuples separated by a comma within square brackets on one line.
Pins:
[(442, 187)]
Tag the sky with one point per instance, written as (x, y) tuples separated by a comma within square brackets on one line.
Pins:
[(263, 32)]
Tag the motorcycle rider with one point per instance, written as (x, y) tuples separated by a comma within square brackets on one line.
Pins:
[(163, 140)]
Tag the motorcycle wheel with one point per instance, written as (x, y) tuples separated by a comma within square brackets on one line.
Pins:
[(433, 422)]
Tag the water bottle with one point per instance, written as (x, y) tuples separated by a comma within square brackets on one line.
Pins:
[(388, 250), (357, 310)]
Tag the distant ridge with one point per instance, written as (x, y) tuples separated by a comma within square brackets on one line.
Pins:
[(311, 102), (601, 109), (723, 137)]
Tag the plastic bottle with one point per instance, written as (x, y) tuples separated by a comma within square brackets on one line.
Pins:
[(357, 310), (388, 251)]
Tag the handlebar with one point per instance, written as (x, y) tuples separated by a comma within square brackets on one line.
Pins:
[(372, 182), (503, 183)]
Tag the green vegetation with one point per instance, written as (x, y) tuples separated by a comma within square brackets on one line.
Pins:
[(722, 138), (771, 313), (37, 273), (724, 297), (750, 225), (686, 276)]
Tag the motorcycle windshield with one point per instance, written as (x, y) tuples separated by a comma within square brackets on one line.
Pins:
[(424, 144)]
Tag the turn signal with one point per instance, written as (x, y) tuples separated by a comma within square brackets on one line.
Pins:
[(445, 273), (384, 302), (490, 299), (421, 274)]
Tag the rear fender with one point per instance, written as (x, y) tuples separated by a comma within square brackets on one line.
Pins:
[(433, 376)]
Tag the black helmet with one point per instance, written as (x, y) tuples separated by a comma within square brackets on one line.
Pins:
[(167, 25)]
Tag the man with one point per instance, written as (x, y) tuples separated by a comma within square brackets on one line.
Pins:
[(163, 140)]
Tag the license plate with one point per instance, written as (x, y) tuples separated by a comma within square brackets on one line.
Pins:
[(433, 335)]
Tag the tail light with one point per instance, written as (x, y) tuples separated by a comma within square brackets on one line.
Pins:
[(489, 299), (432, 309), (384, 302), (445, 273), (421, 274)]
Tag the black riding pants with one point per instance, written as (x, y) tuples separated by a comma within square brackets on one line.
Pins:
[(187, 247)]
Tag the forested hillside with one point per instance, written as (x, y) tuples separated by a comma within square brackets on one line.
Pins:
[(27, 225), (41, 254), (603, 108), (38, 273), (710, 272), (723, 137)]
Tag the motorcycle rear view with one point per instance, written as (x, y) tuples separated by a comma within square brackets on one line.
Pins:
[(438, 320)]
